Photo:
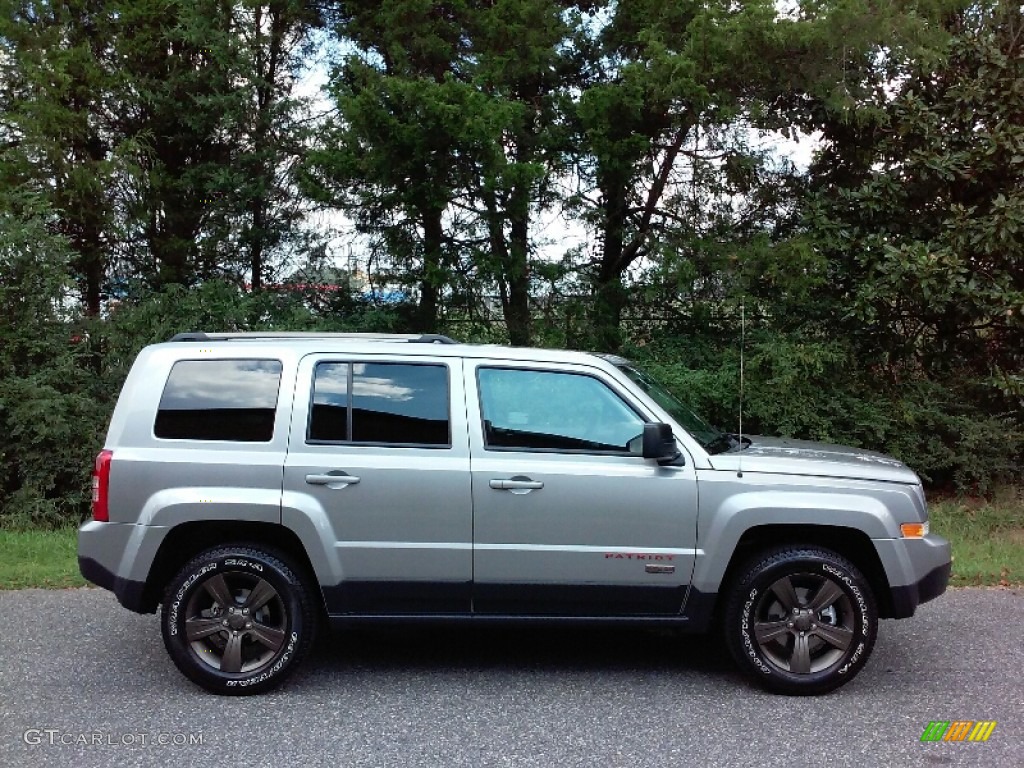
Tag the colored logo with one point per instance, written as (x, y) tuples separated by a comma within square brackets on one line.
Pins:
[(958, 730)]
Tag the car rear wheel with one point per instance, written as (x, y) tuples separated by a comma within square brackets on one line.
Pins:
[(238, 619), (802, 620)]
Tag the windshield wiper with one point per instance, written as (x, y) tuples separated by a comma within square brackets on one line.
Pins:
[(742, 444), (721, 443), (728, 441)]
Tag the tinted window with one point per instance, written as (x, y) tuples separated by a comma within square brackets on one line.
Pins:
[(390, 403), (220, 400), (546, 410)]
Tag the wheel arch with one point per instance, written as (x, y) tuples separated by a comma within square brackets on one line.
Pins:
[(851, 543), (185, 541)]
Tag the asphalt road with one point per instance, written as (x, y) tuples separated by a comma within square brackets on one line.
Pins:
[(75, 667)]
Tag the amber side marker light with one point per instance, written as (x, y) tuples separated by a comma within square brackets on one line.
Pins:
[(914, 530)]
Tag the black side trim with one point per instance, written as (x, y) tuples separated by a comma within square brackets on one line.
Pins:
[(398, 597), (577, 599), (404, 601), (676, 622), (130, 594), (906, 598)]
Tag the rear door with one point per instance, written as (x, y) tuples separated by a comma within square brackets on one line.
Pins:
[(378, 458), (569, 518)]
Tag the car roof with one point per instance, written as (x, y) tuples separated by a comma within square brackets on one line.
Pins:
[(377, 343)]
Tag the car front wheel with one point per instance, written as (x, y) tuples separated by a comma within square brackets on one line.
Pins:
[(802, 620)]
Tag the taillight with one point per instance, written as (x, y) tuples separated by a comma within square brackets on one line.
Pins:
[(101, 486)]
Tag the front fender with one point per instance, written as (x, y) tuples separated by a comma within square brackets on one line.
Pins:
[(726, 516)]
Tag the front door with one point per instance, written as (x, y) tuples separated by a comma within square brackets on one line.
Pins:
[(569, 519)]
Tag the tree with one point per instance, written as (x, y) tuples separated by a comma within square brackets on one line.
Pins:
[(521, 64), (392, 159), (56, 70), (179, 60), (257, 211), (908, 279), (926, 238), (675, 90), (448, 137)]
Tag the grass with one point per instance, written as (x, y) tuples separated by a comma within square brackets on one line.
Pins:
[(987, 536), (39, 559)]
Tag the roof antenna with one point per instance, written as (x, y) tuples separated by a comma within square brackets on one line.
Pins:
[(743, 345)]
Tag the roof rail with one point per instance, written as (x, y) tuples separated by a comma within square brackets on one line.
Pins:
[(415, 338)]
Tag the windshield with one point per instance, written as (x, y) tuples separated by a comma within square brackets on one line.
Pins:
[(711, 438)]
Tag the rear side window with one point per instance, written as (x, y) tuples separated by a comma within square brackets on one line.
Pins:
[(380, 403), (220, 400)]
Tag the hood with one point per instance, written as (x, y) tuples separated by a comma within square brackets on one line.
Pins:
[(802, 457)]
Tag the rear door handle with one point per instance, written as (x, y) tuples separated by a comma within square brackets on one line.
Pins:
[(516, 484), (336, 479)]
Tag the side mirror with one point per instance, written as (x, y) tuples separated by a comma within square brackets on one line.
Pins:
[(659, 443)]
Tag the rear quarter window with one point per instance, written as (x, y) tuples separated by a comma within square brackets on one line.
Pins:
[(232, 400)]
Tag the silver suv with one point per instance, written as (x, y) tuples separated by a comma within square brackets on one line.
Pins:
[(258, 485)]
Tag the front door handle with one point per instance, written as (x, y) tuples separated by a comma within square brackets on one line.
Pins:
[(335, 479), (516, 484)]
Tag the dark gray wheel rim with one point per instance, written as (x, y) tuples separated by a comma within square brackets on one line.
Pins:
[(804, 623), (236, 622)]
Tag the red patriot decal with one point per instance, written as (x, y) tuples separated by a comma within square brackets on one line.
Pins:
[(637, 556)]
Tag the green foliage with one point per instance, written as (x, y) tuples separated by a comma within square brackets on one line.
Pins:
[(814, 389), (454, 129), (152, 317), (919, 227), (49, 420), (56, 79), (664, 120)]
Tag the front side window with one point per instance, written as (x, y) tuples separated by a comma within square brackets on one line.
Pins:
[(220, 400), (554, 411), (380, 403)]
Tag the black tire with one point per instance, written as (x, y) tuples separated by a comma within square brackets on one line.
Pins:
[(806, 638), (251, 619)]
